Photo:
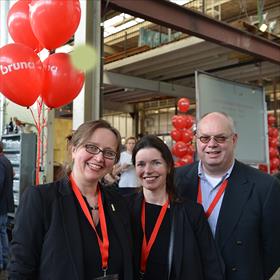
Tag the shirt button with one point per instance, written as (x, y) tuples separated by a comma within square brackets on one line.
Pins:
[(234, 269), (239, 242)]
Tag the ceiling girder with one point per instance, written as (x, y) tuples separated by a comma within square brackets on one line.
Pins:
[(135, 83), (188, 21)]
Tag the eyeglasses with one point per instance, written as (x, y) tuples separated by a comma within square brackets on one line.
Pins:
[(94, 150), (217, 139)]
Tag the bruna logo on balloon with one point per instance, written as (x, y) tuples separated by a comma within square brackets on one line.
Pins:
[(17, 66), (24, 65)]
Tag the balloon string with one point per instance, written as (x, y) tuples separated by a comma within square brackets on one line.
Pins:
[(38, 125)]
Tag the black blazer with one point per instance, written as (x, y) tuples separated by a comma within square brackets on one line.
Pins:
[(47, 240), (195, 256), (248, 227), (6, 186)]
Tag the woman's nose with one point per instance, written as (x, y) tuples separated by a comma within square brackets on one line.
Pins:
[(148, 168), (99, 156)]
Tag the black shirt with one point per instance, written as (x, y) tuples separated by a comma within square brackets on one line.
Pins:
[(157, 262), (92, 256)]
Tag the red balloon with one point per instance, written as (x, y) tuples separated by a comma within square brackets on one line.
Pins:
[(273, 152), (21, 74), (178, 122), (19, 25), (62, 82), (263, 167), (275, 133), (179, 163), (180, 149), (174, 119), (273, 170), (191, 150), (271, 119), (273, 142), (175, 135), (183, 104), (54, 21), (187, 159), (274, 163), (188, 121), (186, 135)]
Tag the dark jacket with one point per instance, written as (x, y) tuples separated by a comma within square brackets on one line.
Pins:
[(195, 256), (248, 227), (6, 186), (47, 242)]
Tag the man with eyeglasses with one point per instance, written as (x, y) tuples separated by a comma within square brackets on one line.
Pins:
[(241, 203)]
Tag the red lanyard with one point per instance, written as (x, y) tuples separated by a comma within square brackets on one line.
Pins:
[(146, 248), (215, 200), (103, 245)]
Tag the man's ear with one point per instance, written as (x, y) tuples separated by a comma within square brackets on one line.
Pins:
[(235, 138)]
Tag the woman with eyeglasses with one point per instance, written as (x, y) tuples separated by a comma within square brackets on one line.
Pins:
[(75, 228), (173, 240)]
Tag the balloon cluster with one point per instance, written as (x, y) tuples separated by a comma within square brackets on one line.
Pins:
[(182, 134), (34, 25), (273, 139)]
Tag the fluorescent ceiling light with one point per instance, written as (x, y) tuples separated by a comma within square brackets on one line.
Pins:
[(263, 27)]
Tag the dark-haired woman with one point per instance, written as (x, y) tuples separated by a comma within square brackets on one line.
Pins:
[(75, 228), (172, 237)]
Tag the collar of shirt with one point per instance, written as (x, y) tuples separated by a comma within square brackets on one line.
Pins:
[(201, 174)]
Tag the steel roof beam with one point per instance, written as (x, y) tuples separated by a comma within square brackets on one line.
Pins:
[(194, 23)]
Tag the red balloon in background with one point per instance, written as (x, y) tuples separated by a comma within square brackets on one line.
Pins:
[(275, 133), (273, 152), (188, 121), (179, 163), (273, 142), (191, 150), (174, 119), (19, 25), (175, 135), (54, 21), (270, 131), (187, 159), (21, 74), (62, 82), (263, 167), (186, 135), (273, 170), (183, 104), (178, 122), (180, 149), (274, 163), (271, 119)]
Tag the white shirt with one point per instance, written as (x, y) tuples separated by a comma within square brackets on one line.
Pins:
[(128, 178), (209, 188)]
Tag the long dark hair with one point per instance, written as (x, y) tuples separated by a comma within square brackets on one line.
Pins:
[(152, 141)]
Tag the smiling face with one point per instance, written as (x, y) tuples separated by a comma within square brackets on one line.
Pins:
[(89, 168), (151, 169), (216, 157)]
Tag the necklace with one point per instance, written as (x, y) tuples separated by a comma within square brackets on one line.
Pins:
[(94, 207)]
